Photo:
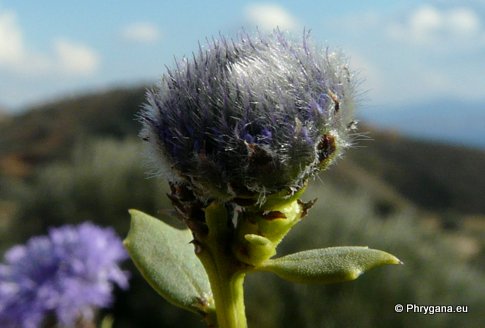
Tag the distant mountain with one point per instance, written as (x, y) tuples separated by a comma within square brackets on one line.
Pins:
[(454, 121), (398, 169)]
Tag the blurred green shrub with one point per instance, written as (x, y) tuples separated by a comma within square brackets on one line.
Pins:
[(103, 179)]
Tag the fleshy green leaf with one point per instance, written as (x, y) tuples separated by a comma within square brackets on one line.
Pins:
[(328, 265), (166, 259)]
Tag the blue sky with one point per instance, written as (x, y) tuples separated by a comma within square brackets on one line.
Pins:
[(405, 51)]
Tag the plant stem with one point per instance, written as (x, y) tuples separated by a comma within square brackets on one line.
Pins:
[(228, 295), (226, 275)]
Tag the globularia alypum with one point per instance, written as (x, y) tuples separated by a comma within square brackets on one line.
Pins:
[(238, 131)]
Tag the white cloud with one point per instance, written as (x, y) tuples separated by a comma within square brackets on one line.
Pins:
[(424, 52), (464, 21), (13, 53), (66, 57), (425, 22), (11, 44), (428, 25), (74, 58), (142, 32), (270, 16)]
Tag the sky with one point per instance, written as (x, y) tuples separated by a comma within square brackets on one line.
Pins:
[(404, 52)]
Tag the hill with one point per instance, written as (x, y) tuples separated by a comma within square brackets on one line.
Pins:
[(48, 132), (396, 168), (433, 175)]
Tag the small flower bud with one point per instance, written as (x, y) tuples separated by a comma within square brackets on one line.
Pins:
[(251, 117)]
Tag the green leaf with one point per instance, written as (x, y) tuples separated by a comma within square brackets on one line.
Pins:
[(328, 265), (166, 259)]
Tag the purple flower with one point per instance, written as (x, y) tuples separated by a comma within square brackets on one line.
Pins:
[(67, 274), (250, 117)]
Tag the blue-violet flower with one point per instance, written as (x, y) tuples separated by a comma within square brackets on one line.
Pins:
[(67, 275)]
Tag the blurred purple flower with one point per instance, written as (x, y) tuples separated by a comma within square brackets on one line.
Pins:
[(67, 274)]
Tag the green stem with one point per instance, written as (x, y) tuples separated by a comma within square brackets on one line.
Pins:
[(231, 312), (228, 296), (226, 274)]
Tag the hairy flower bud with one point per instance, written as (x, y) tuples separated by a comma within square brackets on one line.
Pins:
[(250, 117)]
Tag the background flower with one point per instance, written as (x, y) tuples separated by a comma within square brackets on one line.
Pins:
[(68, 273)]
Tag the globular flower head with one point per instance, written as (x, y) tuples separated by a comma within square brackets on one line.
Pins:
[(67, 274), (250, 117)]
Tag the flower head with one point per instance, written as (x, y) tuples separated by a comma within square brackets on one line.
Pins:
[(250, 117), (68, 274)]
